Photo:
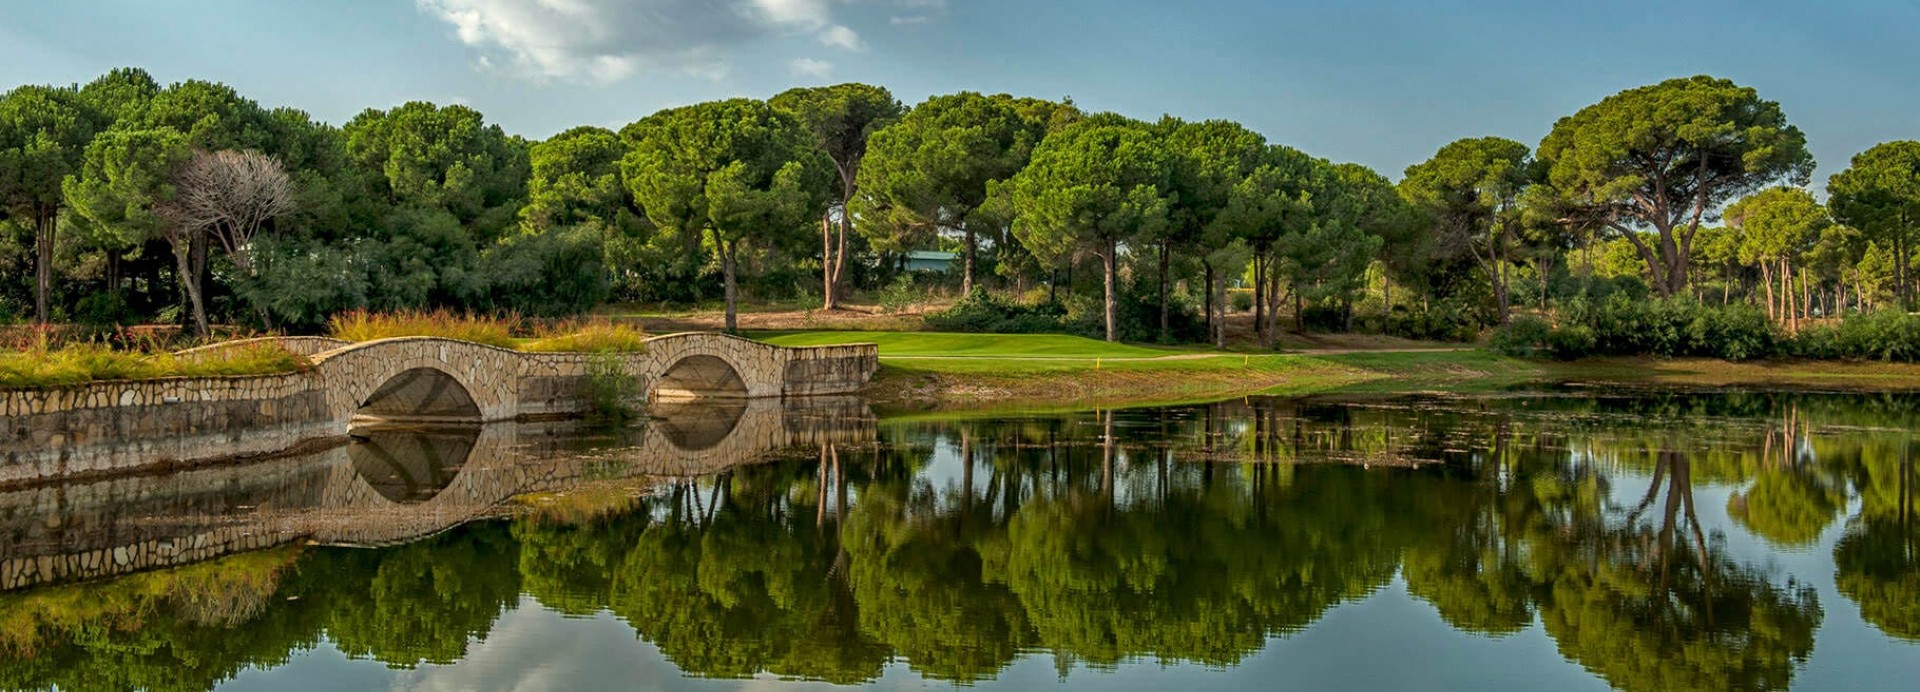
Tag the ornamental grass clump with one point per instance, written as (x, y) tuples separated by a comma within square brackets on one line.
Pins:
[(596, 336), (362, 325), (40, 365)]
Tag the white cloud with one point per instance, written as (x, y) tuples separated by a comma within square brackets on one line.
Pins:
[(918, 11), (842, 37), (811, 14), (609, 40), (810, 67)]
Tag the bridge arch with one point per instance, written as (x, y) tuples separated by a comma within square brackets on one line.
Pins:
[(714, 366), (421, 377)]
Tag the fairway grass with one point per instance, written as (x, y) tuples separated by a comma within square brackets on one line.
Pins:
[(943, 372), (930, 371), (952, 345)]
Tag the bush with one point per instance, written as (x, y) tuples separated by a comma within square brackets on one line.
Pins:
[(1324, 318), (103, 309), (1240, 300), (1623, 326), (611, 390), (547, 274), (1887, 335), (1449, 319), (984, 313), (1570, 342), (1525, 336), (898, 296)]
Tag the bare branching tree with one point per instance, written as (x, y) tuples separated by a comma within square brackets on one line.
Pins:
[(230, 195), (227, 196)]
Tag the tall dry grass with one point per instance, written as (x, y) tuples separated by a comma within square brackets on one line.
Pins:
[(589, 336), (41, 364), (364, 325)]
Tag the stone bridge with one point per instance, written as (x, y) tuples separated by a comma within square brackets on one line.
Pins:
[(389, 485), (113, 427)]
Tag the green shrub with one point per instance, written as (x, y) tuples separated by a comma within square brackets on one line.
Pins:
[(1324, 318), (1887, 335), (1240, 300), (1525, 336), (1620, 325), (550, 274), (611, 390), (102, 309), (1570, 342), (982, 312), (899, 296), (1735, 332), (1450, 319)]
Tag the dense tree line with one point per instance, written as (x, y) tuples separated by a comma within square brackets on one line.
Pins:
[(126, 200)]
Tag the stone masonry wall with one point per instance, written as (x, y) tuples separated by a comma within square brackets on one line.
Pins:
[(116, 427)]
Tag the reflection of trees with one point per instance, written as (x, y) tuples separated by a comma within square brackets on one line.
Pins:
[(420, 602), (1789, 503), (1649, 603), (179, 629), (960, 545), (1878, 560), (735, 581)]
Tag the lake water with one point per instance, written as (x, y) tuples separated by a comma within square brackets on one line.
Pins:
[(1549, 540)]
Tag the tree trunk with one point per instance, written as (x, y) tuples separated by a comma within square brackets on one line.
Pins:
[(1260, 299), (190, 282), (1766, 279), (1208, 300), (1107, 261), (1500, 295), (827, 277), (1273, 306), (1806, 295), (1299, 310), (1213, 333), (44, 228), (1166, 332), (727, 268), (1786, 296), (1386, 298), (966, 277)]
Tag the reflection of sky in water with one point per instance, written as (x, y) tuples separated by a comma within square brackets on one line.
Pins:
[(1387, 641)]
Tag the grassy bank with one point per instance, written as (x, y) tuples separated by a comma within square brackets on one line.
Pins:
[(937, 371), (1864, 376)]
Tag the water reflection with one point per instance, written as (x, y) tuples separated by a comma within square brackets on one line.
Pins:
[(957, 548), (406, 464)]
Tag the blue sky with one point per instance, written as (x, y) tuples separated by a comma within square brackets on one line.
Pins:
[(1382, 83)]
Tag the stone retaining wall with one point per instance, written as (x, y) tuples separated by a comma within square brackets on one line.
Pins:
[(115, 427), (75, 531)]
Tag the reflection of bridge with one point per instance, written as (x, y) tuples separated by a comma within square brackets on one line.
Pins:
[(100, 428), (391, 485)]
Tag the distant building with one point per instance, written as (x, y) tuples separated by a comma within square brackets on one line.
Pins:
[(930, 261)]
